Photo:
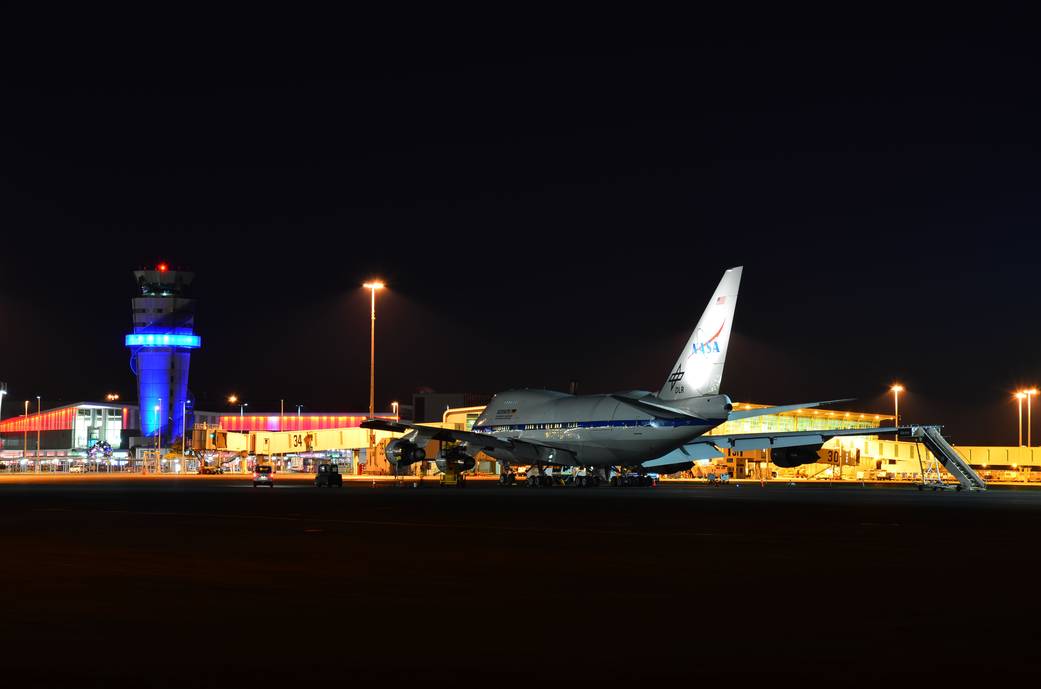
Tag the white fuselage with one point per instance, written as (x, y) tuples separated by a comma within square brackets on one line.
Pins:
[(590, 430)]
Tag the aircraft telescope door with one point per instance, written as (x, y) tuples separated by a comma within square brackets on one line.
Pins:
[(607, 409)]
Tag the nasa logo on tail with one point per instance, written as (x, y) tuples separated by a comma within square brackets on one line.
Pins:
[(709, 346)]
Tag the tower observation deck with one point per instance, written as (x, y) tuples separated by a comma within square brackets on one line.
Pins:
[(160, 349)]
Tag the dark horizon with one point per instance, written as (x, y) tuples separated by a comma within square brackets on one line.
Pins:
[(545, 218)]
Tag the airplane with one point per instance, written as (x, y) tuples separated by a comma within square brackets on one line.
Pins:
[(635, 431)]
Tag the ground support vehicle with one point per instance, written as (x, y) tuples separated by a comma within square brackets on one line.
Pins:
[(264, 475), (452, 477), (327, 476)]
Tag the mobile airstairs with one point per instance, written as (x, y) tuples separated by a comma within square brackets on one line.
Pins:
[(943, 453)]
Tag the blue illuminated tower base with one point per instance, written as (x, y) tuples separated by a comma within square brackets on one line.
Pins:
[(160, 348)]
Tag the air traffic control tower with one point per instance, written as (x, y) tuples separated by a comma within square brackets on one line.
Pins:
[(161, 348)]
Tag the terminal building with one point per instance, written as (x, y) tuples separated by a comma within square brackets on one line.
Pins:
[(67, 433), (60, 438)]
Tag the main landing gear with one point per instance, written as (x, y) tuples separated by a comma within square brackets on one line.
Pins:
[(626, 479), (540, 478), (589, 480), (537, 477)]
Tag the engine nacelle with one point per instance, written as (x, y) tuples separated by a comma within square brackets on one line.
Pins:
[(401, 452), (455, 460), (788, 457)]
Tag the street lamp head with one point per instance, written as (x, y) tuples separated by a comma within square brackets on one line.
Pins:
[(1020, 395), (1031, 391), (897, 387), (232, 399), (373, 284)]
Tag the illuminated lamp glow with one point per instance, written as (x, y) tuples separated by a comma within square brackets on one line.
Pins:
[(162, 267), (163, 340)]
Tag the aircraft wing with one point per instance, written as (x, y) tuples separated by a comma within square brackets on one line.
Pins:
[(506, 449), (480, 440), (767, 440), (710, 446)]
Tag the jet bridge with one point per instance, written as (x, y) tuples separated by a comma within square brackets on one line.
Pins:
[(934, 441)]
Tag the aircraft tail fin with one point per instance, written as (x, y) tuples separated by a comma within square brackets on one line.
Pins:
[(699, 368)]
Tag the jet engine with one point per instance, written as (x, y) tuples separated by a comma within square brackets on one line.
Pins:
[(401, 452), (788, 457), (455, 460)]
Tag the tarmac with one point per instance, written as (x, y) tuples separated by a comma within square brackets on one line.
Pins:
[(205, 581)]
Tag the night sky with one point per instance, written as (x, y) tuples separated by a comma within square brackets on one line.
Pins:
[(539, 218)]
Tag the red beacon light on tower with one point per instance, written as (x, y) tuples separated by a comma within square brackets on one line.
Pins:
[(162, 267)]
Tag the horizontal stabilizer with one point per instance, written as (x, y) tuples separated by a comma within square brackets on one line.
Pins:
[(655, 409), (751, 413)]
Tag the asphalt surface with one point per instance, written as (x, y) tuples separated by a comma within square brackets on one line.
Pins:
[(213, 583)]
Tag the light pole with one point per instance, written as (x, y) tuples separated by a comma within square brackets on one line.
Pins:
[(1030, 393), (3, 393), (158, 436), (281, 417), (394, 406), (25, 432), (896, 389), (1019, 398), (184, 432), (233, 399), (40, 420), (372, 286)]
